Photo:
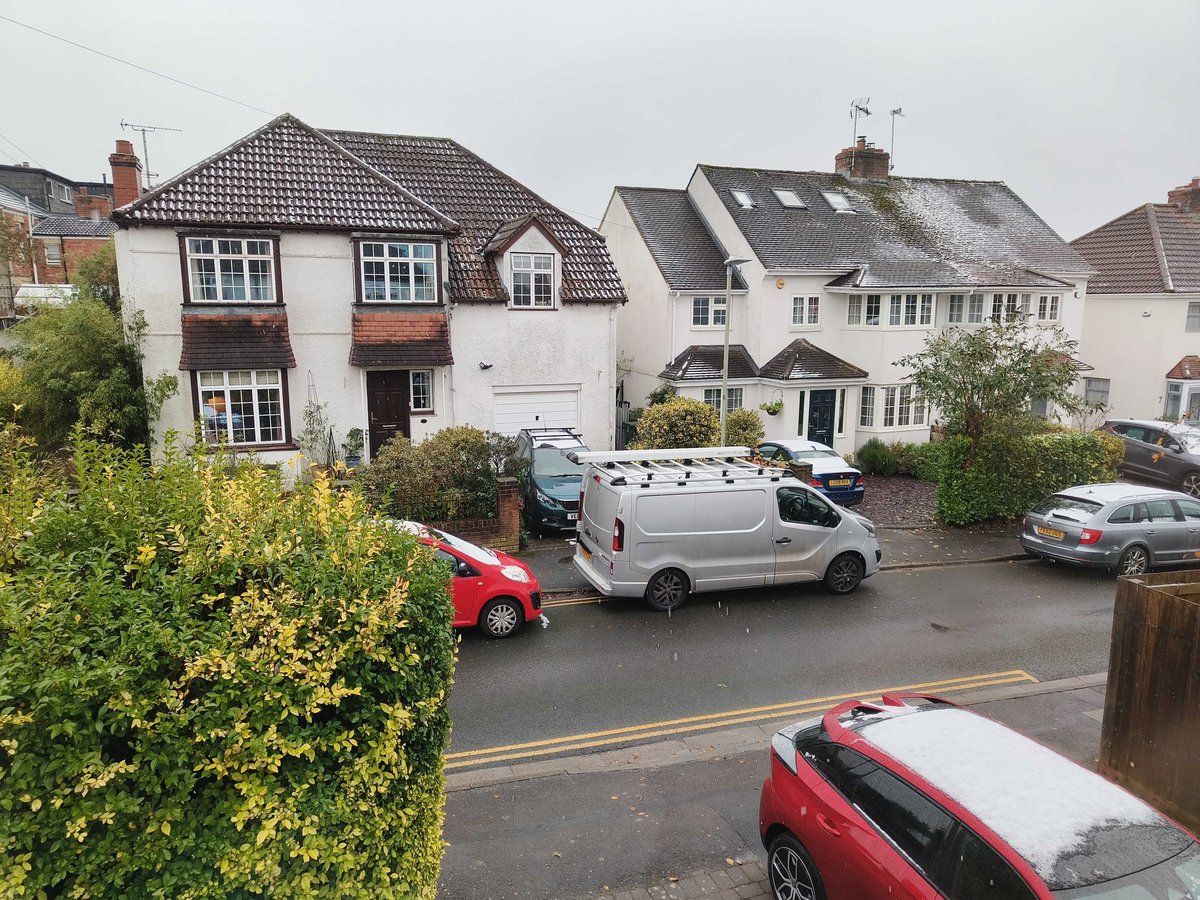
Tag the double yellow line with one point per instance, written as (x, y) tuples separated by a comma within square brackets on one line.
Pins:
[(571, 601), (613, 736)]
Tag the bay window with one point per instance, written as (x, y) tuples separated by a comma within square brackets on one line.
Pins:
[(733, 399), (866, 407), (231, 270), (242, 406)]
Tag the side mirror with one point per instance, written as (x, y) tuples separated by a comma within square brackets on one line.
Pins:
[(462, 569), (1174, 447)]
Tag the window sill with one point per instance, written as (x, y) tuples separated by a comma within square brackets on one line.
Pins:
[(533, 308), (398, 304), (794, 327), (252, 448), (226, 305)]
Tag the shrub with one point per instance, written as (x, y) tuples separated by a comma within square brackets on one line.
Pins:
[(661, 394), (1009, 474), (743, 428), (923, 461), (213, 688), (876, 458), (682, 422), (450, 475)]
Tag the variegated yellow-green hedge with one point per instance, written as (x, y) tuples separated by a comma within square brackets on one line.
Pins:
[(210, 687)]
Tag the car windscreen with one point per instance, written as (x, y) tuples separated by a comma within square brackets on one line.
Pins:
[(814, 454), (552, 462), (1059, 503), (1177, 878), (466, 548)]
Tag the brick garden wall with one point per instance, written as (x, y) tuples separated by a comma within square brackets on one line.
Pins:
[(501, 533)]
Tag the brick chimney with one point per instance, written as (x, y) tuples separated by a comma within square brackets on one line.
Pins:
[(94, 207), (862, 162), (1186, 196), (127, 174)]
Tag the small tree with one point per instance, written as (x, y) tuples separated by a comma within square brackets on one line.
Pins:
[(682, 422), (96, 275), (984, 380), (743, 428)]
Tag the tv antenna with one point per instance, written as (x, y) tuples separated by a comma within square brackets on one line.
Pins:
[(898, 111), (144, 130), (858, 108)]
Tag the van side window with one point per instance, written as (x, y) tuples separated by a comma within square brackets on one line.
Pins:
[(804, 508)]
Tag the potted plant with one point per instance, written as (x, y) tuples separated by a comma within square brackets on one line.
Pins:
[(352, 447), (772, 407)]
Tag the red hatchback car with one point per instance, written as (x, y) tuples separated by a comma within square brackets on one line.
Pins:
[(491, 589), (918, 798)]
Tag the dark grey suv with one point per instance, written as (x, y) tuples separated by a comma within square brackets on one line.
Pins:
[(1160, 451)]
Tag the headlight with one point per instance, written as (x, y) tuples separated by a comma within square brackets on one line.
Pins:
[(515, 573), (867, 524), (544, 500)]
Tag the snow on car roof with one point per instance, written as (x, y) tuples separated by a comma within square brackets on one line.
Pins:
[(1043, 805), (1107, 493)]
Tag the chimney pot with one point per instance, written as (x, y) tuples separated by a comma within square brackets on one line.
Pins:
[(863, 162), (1186, 197), (862, 141)]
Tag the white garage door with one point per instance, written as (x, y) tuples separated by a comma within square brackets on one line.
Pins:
[(518, 408)]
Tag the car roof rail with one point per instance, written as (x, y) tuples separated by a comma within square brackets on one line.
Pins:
[(649, 468)]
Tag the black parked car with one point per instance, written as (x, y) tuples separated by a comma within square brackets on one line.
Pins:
[(551, 486), (1160, 451)]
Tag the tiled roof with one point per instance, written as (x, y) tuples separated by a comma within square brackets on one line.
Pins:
[(1187, 369), (1149, 250), (400, 338), (286, 175), (802, 360), (705, 361), (481, 198), (508, 233), (905, 232), (680, 242), (74, 226), (228, 341)]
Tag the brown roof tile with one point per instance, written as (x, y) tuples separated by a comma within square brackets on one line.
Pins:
[(1187, 369), (400, 338), (705, 361), (220, 341), (802, 359), (1150, 250)]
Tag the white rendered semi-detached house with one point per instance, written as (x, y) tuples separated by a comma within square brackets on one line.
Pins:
[(847, 273), (401, 280), (1142, 322)]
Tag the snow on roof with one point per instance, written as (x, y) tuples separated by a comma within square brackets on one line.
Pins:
[(1042, 804)]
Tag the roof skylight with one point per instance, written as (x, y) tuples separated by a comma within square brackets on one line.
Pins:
[(790, 199), (743, 199), (837, 202)]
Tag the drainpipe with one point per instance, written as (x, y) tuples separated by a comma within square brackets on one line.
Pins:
[(32, 252)]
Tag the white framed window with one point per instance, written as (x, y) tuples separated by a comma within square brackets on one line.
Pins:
[(421, 383), (925, 315), (866, 407), (243, 406), (231, 270), (1095, 390), (743, 199), (790, 199), (841, 413), (838, 202), (859, 312), (890, 395), (1193, 317), (533, 280), (909, 309), (902, 407), (708, 312), (397, 272), (733, 398), (1048, 308), (1009, 306), (1174, 400), (956, 309), (53, 253), (807, 310)]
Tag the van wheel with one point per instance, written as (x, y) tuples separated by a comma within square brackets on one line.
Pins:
[(667, 590), (844, 573), (501, 617)]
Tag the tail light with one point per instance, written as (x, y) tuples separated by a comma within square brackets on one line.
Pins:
[(581, 502), (816, 482), (618, 536), (1090, 536), (858, 482)]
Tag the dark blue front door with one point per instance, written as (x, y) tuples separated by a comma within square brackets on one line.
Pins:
[(820, 416)]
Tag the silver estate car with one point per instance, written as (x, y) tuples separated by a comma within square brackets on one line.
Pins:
[(1125, 528)]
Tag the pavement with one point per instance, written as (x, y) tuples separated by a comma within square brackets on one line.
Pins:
[(681, 814)]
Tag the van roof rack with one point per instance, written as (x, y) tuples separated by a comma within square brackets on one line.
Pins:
[(647, 468)]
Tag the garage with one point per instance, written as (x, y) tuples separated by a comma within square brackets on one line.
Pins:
[(543, 406)]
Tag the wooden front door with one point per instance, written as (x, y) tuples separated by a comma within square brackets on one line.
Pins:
[(820, 416), (388, 398)]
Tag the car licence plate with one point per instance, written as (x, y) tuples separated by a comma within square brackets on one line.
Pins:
[(585, 552), (839, 482), (1051, 533), (572, 517)]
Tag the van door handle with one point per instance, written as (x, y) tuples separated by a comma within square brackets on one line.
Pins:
[(784, 540)]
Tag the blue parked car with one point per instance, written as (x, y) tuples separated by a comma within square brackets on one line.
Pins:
[(551, 487), (832, 475)]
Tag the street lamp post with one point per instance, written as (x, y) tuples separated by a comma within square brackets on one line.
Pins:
[(730, 265)]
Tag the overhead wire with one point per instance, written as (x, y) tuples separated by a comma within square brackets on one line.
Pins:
[(24, 153)]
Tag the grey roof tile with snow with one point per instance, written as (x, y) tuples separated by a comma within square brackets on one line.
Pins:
[(1072, 826)]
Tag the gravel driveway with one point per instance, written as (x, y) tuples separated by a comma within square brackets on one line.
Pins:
[(897, 501)]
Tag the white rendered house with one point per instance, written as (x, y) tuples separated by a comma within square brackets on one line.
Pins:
[(847, 273), (401, 280), (1142, 321)]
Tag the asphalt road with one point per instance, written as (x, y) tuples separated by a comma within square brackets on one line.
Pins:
[(613, 665)]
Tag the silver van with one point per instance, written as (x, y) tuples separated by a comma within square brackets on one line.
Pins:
[(661, 524)]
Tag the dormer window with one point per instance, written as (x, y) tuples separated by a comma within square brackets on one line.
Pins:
[(743, 199), (230, 270), (838, 202), (533, 280), (395, 272), (790, 199)]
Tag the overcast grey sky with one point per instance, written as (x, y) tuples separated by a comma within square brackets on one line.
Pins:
[(1086, 108)]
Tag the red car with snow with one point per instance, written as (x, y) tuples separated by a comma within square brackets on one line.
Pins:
[(918, 798), (490, 589)]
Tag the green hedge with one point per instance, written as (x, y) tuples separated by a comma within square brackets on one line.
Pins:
[(1012, 473), (213, 688)]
